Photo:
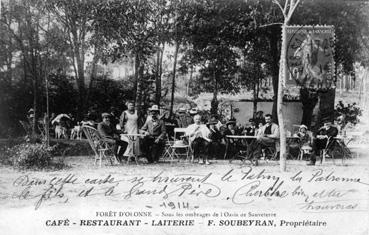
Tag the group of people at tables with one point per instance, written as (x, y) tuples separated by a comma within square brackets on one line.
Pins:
[(206, 138)]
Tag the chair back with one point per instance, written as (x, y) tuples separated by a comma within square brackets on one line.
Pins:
[(93, 137), (27, 127), (178, 131)]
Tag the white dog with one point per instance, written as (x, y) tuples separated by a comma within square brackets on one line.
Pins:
[(76, 132), (60, 132)]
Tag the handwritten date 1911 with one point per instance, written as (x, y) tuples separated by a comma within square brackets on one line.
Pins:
[(175, 205)]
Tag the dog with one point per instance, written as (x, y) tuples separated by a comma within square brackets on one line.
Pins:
[(76, 132), (60, 132)]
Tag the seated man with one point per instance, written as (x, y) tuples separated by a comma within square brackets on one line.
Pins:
[(268, 135), (110, 135), (325, 136), (199, 138), (306, 142), (215, 136), (155, 133)]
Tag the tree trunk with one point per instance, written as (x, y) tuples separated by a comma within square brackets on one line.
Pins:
[(157, 79), (282, 130), (174, 79), (214, 101), (139, 76), (309, 100), (93, 74), (35, 93), (158, 73), (273, 40), (256, 97)]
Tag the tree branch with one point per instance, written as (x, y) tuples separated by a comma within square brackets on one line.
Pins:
[(292, 8), (271, 24), (280, 7)]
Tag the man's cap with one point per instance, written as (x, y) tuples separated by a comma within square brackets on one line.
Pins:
[(303, 126)]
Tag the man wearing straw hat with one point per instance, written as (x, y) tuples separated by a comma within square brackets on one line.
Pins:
[(155, 133)]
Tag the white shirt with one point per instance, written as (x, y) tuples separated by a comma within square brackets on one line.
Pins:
[(195, 130)]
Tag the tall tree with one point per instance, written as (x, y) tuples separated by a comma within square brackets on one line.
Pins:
[(127, 28), (74, 17)]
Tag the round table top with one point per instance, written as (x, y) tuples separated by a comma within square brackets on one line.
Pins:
[(241, 136), (133, 135), (253, 137)]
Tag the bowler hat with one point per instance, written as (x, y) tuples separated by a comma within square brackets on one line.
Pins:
[(231, 121), (212, 121)]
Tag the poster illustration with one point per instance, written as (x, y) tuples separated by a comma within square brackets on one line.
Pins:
[(310, 52)]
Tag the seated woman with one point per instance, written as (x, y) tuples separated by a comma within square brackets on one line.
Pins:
[(233, 145), (306, 143), (215, 147)]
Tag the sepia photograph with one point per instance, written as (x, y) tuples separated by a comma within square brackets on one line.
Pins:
[(171, 117)]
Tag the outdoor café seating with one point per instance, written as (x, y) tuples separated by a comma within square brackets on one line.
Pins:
[(101, 149)]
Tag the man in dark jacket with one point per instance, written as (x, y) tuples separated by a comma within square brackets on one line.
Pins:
[(110, 135), (324, 137), (155, 134)]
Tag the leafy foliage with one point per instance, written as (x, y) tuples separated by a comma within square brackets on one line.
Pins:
[(33, 156), (347, 113)]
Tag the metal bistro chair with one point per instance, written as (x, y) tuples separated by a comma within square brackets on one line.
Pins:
[(27, 127), (178, 148), (100, 148), (338, 149), (167, 153)]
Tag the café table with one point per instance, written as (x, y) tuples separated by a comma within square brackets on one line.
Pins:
[(248, 142), (132, 140), (250, 145)]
